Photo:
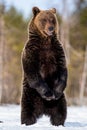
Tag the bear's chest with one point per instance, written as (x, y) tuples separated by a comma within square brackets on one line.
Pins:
[(48, 63)]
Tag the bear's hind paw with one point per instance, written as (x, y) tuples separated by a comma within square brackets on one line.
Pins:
[(29, 121)]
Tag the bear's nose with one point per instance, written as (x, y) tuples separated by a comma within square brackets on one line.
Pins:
[(50, 28)]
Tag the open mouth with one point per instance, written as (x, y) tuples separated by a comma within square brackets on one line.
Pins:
[(49, 33)]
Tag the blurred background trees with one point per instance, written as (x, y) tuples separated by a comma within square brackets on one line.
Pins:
[(73, 34), (14, 34), (78, 42)]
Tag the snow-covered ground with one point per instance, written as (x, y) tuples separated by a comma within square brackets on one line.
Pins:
[(10, 115)]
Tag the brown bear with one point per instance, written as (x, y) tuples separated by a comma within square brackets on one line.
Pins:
[(45, 71)]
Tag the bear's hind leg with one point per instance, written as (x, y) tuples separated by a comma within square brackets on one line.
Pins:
[(30, 120), (31, 107), (59, 115), (27, 115)]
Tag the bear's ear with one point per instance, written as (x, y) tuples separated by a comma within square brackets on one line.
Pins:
[(35, 10), (53, 10)]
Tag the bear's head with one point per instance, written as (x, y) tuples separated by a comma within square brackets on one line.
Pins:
[(45, 21)]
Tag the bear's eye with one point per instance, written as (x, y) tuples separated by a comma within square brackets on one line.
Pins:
[(44, 20), (53, 21)]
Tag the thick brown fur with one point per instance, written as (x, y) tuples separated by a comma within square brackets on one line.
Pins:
[(45, 71)]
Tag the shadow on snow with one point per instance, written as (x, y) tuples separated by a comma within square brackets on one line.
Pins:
[(75, 124)]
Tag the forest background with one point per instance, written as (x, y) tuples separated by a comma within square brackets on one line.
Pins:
[(73, 35)]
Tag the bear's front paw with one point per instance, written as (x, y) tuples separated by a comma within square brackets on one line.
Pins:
[(57, 95), (49, 95)]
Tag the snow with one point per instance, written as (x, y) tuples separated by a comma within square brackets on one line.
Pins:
[(10, 115)]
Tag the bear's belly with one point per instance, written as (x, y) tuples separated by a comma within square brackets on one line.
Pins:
[(47, 70), (48, 64)]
